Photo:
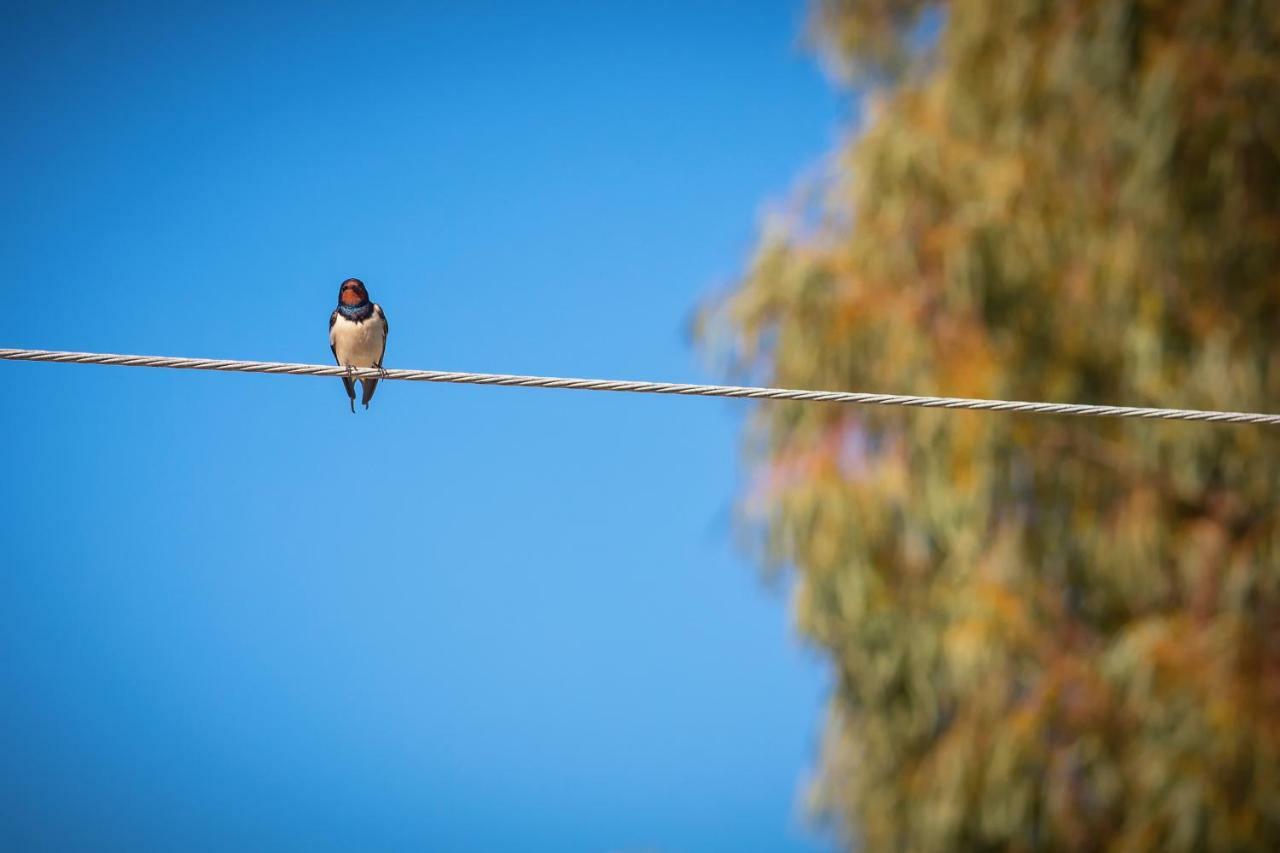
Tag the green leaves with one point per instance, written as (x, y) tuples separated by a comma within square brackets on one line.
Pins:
[(1047, 634)]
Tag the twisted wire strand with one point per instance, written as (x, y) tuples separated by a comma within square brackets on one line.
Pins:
[(640, 387)]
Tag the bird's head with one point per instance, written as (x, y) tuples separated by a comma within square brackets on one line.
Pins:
[(352, 293)]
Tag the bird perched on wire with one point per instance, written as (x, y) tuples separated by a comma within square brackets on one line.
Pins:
[(358, 336)]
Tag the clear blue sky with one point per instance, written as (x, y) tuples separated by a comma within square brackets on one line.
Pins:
[(234, 615)]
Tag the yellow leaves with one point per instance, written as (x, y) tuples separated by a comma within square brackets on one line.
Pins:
[(1004, 181), (992, 632), (866, 37)]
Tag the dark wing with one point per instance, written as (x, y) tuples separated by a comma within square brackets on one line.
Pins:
[(333, 318), (367, 387), (386, 328)]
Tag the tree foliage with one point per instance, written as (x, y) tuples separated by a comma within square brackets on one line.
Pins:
[(1047, 633)]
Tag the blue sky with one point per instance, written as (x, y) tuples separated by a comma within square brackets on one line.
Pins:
[(235, 615)]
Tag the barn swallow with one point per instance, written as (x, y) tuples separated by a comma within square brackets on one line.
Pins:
[(357, 336)]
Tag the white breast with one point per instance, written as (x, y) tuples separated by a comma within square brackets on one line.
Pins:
[(358, 344)]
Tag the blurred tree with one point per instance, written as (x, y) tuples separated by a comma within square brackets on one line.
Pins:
[(1047, 633)]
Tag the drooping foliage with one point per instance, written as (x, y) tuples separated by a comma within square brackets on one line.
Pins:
[(1046, 633)]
